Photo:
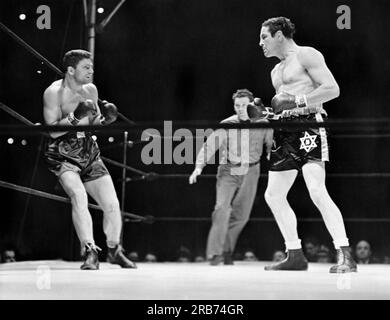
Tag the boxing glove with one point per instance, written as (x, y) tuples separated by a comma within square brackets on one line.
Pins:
[(285, 101), (109, 112), (83, 109), (255, 109)]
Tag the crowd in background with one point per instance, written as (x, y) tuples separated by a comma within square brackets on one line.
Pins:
[(314, 252)]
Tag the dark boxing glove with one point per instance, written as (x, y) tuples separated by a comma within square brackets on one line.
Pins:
[(285, 101), (255, 109), (83, 109), (109, 112)]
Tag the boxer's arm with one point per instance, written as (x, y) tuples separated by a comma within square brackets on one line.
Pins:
[(93, 92), (273, 78), (52, 111), (314, 63), (106, 112)]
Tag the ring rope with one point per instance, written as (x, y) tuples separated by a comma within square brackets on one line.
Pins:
[(153, 175), (264, 175), (200, 219), (47, 195), (182, 138), (341, 124)]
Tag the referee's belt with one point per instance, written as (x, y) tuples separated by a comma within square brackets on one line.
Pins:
[(239, 164)]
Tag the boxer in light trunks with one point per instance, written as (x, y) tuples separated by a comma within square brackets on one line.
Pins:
[(302, 82), (74, 157)]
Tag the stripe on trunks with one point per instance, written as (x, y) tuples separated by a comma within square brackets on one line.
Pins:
[(324, 139)]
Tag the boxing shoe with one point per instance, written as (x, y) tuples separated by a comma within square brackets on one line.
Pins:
[(116, 256), (295, 260), (90, 257), (216, 260), (227, 258), (345, 262)]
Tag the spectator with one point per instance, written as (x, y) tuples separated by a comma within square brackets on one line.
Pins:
[(386, 259), (363, 252), (311, 247), (9, 256), (150, 258), (249, 255), (133, 256), (385, 256), (184, 254), (323, 255), (199, 259), (278, 256)]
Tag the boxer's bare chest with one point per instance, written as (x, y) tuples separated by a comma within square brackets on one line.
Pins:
[(69, 99), (289, 74)]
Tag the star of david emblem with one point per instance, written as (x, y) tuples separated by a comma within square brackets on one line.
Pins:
[(308, 142)]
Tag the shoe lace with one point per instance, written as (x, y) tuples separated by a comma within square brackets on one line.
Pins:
[(340, 256), (93, 247)]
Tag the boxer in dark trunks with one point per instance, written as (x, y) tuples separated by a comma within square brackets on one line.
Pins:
[(74, 157), (302, 82), (294, 148)]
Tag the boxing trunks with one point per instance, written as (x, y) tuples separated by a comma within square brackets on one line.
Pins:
[(75, 151), (295, 147)]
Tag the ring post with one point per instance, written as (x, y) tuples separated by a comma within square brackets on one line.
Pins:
[(125, 134)]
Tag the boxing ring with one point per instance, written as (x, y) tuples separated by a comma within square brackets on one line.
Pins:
[(58, 279), (52, 280)]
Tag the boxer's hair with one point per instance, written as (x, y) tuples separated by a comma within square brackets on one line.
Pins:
[(73, 57), (240, 93), (280, 23)]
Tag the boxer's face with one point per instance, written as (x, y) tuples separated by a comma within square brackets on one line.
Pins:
[(240, 105), (83, 71), (268, 43)]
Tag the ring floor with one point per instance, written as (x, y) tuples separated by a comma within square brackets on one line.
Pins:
[(61, 280)]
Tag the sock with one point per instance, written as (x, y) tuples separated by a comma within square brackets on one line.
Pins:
[(343, 242), (293, 245), (112, 244)]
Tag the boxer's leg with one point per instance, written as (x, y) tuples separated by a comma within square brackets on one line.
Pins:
[(279, 184), (103, 191), (314, 175), (81, 217)]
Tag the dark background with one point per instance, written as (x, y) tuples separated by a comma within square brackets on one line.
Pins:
[(182, 60)]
